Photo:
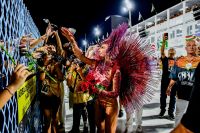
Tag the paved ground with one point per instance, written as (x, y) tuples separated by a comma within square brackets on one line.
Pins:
[(151, 122)]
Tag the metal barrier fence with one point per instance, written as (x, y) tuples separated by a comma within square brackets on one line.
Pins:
[(16, 21)]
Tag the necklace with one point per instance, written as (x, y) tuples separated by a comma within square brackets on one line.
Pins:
[(188, 65)]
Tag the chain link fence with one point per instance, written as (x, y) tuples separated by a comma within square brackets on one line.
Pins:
[(15, 22)]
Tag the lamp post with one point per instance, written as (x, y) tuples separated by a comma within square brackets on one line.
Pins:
[(130, 20), (97, 32), (128, 6), (85, 44)]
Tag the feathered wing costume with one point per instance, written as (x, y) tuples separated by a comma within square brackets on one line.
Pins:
[(138, 69)]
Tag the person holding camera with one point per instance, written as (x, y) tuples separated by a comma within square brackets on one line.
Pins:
[(51, 91), (167, 64), (62, 54), (74, 77), (63, 50)]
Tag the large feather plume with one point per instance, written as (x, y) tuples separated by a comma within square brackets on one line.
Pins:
[(138, 69)]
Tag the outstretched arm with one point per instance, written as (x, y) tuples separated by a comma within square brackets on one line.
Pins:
[(37, 41), (78, 53), (44, 37), (59, 48), (163, 47)]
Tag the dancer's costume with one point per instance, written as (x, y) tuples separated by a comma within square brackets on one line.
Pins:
[(139, 75), (130, 74)]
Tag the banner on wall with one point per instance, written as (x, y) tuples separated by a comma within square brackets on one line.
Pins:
[(25, 95)]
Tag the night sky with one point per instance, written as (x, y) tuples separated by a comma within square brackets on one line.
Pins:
[(84, 15)]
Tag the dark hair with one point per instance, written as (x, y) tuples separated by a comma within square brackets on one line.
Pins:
[(57, 57), (80, 63), (40, 60)]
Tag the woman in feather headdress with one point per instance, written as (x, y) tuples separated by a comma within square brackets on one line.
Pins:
[(124, 70)]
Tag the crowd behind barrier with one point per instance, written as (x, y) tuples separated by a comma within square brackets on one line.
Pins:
[(15, 22)]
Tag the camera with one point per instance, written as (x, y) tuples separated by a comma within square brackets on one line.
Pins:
[(55, 27), (71, 58), (57, 58), (80, 63)]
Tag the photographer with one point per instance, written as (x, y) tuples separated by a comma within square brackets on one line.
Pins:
[(51, 91), (65, 49), (61, 55), (74, 78)]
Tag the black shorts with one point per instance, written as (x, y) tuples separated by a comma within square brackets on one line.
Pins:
[(50, 102)]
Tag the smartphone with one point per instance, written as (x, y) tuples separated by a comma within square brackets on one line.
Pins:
[(166, 36)]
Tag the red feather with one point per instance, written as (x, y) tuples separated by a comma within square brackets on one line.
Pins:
[(139, 74)]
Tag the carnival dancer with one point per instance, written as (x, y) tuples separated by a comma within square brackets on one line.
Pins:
[(120, 54)]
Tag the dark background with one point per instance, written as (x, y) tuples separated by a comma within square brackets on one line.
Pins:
[(84, 15)]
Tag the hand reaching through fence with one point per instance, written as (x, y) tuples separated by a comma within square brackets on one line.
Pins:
[(18, 78)]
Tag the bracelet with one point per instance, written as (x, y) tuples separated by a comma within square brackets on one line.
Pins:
[(9, 91)]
